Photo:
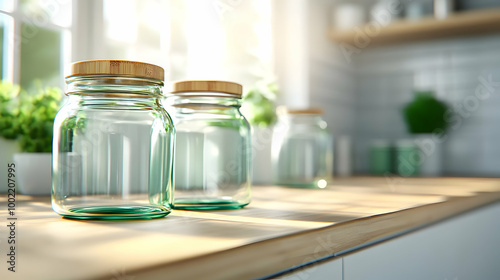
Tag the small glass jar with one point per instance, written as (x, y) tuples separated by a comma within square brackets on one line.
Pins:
[(407, 158), (212, 152), (302, 149), (381, 157), (113, 143)]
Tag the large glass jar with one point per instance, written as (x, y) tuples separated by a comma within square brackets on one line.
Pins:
[(302, 149), (113, 143), (212, 152)]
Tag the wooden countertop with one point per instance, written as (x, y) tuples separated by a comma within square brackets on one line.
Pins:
[(281, 228)]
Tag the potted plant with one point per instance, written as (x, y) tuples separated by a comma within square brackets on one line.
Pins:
[(424, 116), (260, 110), (35, 121), (9, 128)]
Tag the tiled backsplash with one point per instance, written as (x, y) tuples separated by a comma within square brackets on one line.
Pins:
[(384, 81), (363, 97)]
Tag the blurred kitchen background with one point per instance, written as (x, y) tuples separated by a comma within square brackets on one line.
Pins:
[(362, 62)]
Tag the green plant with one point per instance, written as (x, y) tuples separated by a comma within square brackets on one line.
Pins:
[(9, 111), (259, 105), (28, 118), (36, 117), (425, 114)]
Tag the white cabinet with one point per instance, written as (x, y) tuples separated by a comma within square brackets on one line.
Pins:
[(463, 247), (330, 270)]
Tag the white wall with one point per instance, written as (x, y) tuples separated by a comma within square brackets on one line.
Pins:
[(290, 38), (311, 71), (331, 77)]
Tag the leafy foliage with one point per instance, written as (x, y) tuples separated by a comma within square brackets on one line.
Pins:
[(258, 105), (37, 119), (425, 113), (9, 111), (29, 117)]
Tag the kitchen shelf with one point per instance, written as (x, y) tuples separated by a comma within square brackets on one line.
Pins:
[(457, 25)]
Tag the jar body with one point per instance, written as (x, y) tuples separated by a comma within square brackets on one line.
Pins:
[(112, 154), (212, 153), (302, 152)]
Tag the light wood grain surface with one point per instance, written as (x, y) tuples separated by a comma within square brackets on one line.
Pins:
[(117, 67), (281, 228)]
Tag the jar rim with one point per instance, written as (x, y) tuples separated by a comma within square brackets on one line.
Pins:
[(111, 78), (117, 86)]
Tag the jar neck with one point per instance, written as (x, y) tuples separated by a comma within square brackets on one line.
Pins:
[(115, 102), (114, 86)]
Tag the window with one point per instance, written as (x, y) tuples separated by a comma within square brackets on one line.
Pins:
[(192, 39), (221, 39), (7, 32), (35, 41), (136, 30)]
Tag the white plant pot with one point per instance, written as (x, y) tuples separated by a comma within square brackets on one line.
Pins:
[(7, 150), (262, 139), (432, 155), (33, 173)]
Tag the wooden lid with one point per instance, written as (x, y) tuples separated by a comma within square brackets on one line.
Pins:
[(117, 67), (207, 86), (308, 111)]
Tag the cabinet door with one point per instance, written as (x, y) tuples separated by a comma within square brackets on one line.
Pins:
[(327, 270), (464, 247)]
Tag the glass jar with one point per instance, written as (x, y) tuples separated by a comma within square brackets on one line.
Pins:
[(212, 152), (302, 149), (407, 158), (381, 157), (113, 143)]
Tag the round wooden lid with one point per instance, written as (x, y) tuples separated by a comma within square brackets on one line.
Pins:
[(207, 86), (117, 67), (308, 111)]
